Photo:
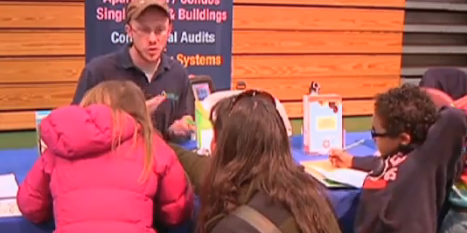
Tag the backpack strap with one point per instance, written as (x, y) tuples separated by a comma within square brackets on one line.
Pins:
[(256, 219)]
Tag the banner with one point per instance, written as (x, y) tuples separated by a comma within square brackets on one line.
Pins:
[(201, 41)]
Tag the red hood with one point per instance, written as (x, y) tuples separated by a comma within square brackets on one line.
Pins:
[(76, 132)]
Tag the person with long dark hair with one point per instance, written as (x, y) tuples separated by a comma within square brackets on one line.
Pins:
[(252, 166)]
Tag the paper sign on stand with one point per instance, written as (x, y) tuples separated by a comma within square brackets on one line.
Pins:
[(204, 129), (8, 192), (40, 115), (322, 122)]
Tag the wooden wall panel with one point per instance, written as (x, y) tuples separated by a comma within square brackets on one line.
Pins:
[(34, 96), (294, 88), (286, 66), (40, 70), (321, 42), (41, 15), (317, 19), (41, 43), (278, 45), (23, 120)]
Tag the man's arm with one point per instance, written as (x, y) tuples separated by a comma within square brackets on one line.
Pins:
[(86, 82), (180, 129), (195, 166)]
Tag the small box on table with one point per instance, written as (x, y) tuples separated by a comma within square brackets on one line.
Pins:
[(322, 123)]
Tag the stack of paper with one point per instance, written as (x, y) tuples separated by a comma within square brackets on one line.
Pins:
[(8, 191), (335, 177)]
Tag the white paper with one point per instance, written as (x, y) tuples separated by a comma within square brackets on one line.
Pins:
[(9, 208), (206, 138), (345, 176), (8, 186)]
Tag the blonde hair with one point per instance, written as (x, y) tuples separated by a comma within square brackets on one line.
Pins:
[(125, 97)]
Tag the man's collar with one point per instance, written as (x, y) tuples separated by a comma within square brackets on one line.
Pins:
[(165, 61), (126, 62)]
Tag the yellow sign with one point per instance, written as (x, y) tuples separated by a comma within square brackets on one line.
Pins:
[(326, 123)]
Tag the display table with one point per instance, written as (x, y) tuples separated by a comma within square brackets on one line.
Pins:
[(344, 201)]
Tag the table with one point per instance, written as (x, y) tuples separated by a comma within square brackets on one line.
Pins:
[(344, 201)]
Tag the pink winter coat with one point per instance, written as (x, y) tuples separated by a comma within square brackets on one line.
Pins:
[(96, 189)]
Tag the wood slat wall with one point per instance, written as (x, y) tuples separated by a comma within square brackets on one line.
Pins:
[(435, 35), (352, 47)]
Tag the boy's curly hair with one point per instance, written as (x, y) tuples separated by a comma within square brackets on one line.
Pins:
[(406, 109)]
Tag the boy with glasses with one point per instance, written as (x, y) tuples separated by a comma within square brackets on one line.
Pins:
[(406, 187)]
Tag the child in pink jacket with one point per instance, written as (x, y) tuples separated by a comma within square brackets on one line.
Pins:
[(104, 169)]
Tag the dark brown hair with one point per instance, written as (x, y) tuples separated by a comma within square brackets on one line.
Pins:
[(125, 96), (253, 150), (406, 109)]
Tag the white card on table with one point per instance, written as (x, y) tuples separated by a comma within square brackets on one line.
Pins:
[(206, 138), (8, 186)]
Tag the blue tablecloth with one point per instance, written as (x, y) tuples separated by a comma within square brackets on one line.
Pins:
[(344, 201)]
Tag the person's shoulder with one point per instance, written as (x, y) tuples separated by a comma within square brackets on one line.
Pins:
[(453, 117), (174, 63), (103, 62), (176, 67), (451, 112)]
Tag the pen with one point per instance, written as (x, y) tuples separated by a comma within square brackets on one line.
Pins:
[(355, 144)]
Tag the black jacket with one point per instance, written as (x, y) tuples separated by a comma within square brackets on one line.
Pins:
[(409, 194)]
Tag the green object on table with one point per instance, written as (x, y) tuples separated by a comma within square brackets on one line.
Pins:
[(204, 130)]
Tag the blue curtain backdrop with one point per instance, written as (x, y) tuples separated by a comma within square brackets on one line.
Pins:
[(202, 37)]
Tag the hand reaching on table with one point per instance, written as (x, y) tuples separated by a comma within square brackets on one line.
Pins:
[(340, 158), (183, 126)]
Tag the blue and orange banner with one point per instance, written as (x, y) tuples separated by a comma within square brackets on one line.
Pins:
[(201, 40)]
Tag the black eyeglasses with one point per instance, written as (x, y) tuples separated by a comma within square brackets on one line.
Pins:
[(252, 93), (374, 134)]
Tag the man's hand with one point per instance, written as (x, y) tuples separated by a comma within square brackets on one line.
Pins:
[(340, 158), (183, 126), (153, 103)]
